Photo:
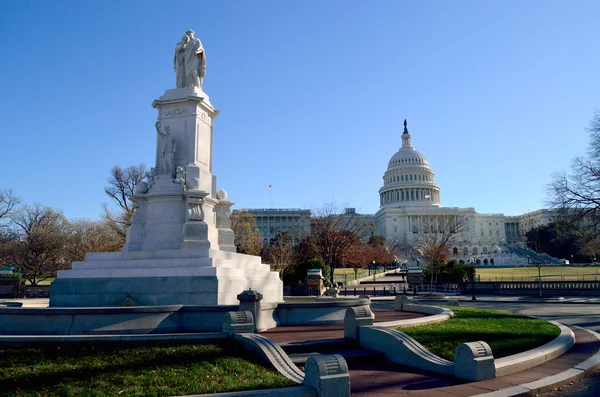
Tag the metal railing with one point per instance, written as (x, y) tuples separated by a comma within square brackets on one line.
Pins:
[(362, 273), (438, 289)]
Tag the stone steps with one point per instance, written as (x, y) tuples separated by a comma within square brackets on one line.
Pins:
[(175, 271), (352, 357), (166, 263)]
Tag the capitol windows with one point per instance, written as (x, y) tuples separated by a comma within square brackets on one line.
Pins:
[(485, 251), (395, 229), (474, 250), (454, 251), (465, 251), (497, 233), (490, 233), (411, 177), (481, 232)]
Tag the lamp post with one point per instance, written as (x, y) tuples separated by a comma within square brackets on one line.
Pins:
[(374, 271), (473, 279), (539, 265)]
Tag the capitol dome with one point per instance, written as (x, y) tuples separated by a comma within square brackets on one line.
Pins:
[(408, 180)]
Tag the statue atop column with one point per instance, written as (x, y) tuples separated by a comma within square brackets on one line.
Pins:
[(189, 61)]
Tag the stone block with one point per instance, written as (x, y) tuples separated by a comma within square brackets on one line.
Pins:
[(238, 322), (399, 302), (355, 318), (264, 317), (328, 374), (474, 361)]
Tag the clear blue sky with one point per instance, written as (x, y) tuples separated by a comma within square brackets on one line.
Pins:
[(312, 95)]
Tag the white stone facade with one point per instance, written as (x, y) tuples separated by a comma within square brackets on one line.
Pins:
[(271, 221), (410, 200)]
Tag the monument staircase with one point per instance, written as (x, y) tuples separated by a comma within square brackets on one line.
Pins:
[(534, 257)]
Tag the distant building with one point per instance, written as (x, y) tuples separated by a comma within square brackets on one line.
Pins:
[(410, 204), (271, 221), (410, 201)]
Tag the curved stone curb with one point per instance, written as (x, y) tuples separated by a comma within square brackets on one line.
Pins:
[(533, 299), (437, 315), (272, 354), (531, 358), (593, 363), (548, 383), (296, 391), (32, 340), (401, 349)]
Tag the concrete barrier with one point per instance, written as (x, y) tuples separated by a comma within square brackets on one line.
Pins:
[(355, 318), (401, 349), (238, 323), (329, 375), (474, 361), (270, 353)]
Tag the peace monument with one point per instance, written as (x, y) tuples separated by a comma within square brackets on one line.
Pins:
[(179, 247)]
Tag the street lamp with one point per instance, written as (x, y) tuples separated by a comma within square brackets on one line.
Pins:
[(473, 278)]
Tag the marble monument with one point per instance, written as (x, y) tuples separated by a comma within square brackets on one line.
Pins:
[(179, 247)]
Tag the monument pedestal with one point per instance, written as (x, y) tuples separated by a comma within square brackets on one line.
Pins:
[(179, 248), (164, 277)]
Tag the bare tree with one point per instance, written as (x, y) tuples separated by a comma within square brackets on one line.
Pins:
[(8, 202), (358, 256), (37, 244), (280, 253), (577, 195), (247, 236), (435, 237), (121, 187), (90, 236), (335, 231)]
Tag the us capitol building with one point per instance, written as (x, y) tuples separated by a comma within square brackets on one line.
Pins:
[(410, 204)]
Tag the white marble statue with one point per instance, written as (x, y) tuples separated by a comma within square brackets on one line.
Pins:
[(189, 61), (166, 150)]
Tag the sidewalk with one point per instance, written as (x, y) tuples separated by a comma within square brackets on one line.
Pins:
[(490, 298), (34, 302), (382, 379)]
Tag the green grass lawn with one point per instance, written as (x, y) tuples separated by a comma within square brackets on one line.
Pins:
[(133, 371), (506, 333), (562, 273)]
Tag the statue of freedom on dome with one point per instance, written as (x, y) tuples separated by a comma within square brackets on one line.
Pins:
[(189, 61)]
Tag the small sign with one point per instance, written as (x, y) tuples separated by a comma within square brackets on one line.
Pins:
[(6, 270)]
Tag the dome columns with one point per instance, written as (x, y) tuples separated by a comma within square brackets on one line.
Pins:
[(410, 194)]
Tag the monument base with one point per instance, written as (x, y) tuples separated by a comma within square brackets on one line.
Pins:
[(165, 277)]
